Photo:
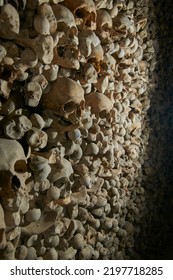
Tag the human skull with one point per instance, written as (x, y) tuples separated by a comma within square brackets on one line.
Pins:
[(100, 104), (84, 12), (60, 177), (108, 65), (66, 57), (9, 22), (122, 21), (96, 57), (66, 26), (90, 48), (88, 40), (65, 99), (104, 23), (13, 164)]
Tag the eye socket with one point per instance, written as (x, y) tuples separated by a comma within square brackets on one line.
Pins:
[(69, 107), (102, 114), (20, 166), (80, 13), (61, 51)]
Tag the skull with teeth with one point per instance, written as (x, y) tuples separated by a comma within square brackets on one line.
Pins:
[(66, 100)]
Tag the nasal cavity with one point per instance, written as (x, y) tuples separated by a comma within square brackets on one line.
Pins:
[(15, 183)]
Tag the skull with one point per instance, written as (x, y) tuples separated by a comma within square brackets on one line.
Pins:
[(66, 26), (104, 23), (9, 22), (108, 65), (100, 104), (84, 12), (96, 57), (66, 57), (60, 177), (13, 165), (122, 21), (87, 42), (65, 99)]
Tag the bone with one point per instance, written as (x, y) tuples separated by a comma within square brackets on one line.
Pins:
[(4, 89), (36, 139), (37, 227), (99, 103), (33, 215), (37, 121), (43, 45), (69, 254), (9, 22), (88, 17), (21, 252), (17, 127), (51, 254)]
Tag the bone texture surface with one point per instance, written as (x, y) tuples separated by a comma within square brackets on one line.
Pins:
[(85, 129)]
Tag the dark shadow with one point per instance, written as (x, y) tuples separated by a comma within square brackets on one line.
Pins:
[(155, 238)]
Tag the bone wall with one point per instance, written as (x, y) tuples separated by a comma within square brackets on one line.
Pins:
[(85, 129)]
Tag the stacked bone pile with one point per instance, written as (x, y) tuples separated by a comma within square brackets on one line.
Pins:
[(74, 95)]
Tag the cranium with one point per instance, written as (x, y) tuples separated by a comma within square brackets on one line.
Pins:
[(65, 99), (66, 57), (60, 177), (87, 42), (66, 26), (122, 21), (104, 23), (63, 171), (108, 65), (100, 104), (13, 165), (9, 22), (96, 57), (116, 8), (90, 48), (84, 12)]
